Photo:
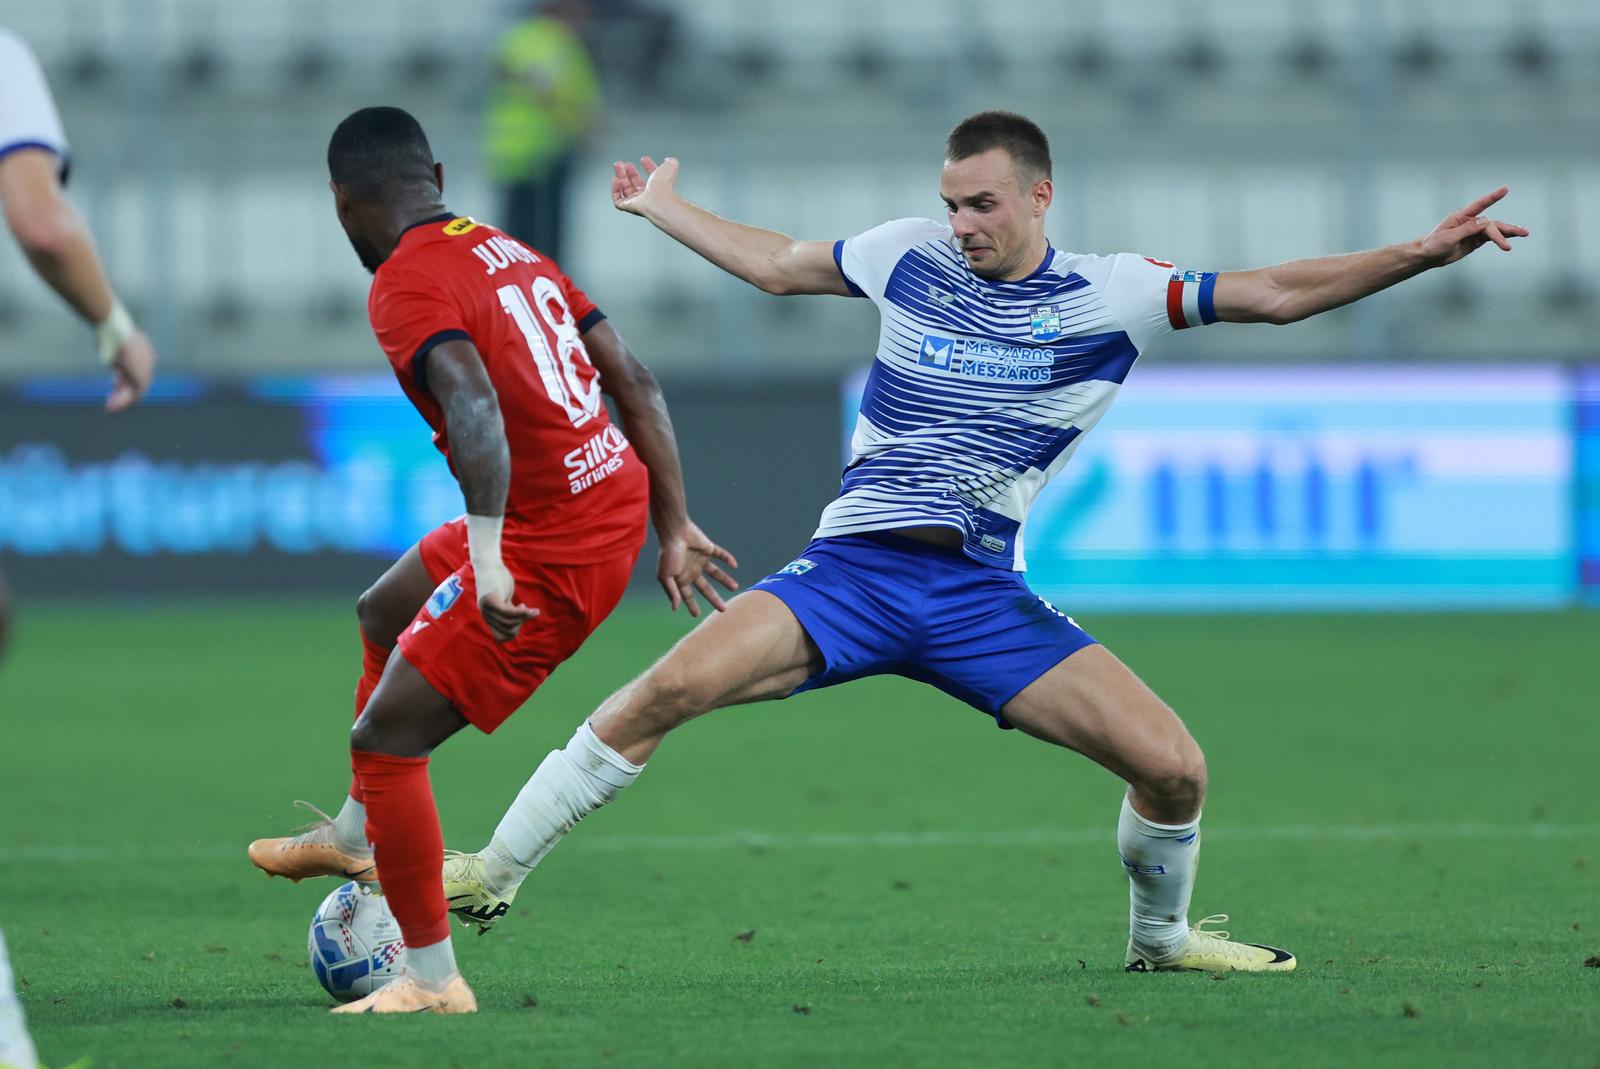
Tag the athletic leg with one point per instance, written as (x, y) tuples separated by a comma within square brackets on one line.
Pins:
[(755, 651), (383, 610), (405, 719), (337, 846), (1092, 703)]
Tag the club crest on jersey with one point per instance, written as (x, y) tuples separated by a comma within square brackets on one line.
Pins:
[(1046, 323), (444, 596)]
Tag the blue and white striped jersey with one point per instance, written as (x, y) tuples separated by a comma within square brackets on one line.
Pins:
[(981, 390)]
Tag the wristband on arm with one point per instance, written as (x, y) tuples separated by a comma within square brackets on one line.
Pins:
[(483, 543), (113, 332)]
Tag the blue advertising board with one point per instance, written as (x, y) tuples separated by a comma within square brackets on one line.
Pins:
[(272, 484), (1347, 486), (1203, 488), (1588, 490), (316, 484)]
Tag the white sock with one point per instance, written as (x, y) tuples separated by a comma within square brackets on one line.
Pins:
[(1160, 860), (15, 1046), (350, 828), (567, 786), (433, 964)]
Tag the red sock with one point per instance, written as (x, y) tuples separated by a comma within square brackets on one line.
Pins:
[(373, 659), (403, 827)]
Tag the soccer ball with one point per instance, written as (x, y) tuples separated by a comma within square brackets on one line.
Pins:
[(354, 942)]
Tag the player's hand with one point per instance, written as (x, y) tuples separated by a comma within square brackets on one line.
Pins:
[(134, 366), (689, 563), (634, 193), (1462, 232), (497, 601)]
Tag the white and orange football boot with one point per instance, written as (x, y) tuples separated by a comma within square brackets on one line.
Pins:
[(409, 995), (311, 852)]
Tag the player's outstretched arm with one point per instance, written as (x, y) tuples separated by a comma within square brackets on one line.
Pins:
[(482, 461), (689, 560), (62, 251), (766, 259), (1294, 291)]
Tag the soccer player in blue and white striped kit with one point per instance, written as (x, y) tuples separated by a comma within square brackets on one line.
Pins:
[(997, 354)]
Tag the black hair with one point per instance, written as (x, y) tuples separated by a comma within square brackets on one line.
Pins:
[(1020, 136), (379, 153)]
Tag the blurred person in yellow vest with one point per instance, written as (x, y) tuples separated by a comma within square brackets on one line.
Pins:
[(544, 100)]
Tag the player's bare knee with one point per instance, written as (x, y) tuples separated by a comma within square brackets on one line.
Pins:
[(366, 612), (367, 737), (379, 620), (1178, 783)]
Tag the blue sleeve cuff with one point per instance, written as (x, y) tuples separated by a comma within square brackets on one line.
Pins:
[(838, 260), (54, 150), (1208, 307), (593, 319)]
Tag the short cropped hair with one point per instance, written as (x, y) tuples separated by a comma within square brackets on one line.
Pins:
[(1020, 136), (379, 151)]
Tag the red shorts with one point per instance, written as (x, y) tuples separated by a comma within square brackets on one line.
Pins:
[(449, 643)]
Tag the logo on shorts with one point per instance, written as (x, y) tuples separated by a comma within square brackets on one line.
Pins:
[(443, 597), (797, 567), (992, 544)]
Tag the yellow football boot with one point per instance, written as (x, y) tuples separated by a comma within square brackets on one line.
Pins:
[(408, 995), (468, 896), (311, 852), (1212, 951)]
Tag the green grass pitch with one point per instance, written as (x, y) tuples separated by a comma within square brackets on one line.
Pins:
[(872, 875)]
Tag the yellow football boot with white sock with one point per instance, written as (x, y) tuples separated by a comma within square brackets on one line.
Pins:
[(467, 892), (1208, 950)]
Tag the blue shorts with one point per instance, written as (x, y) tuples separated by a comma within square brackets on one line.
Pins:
[(884, 604)]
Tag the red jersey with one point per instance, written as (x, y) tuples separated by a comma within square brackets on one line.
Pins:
[(578, 492)]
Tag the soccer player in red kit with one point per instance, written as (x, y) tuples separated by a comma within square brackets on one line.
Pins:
[(506, 360)]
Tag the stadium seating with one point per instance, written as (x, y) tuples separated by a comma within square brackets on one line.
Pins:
[(199, 128)]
